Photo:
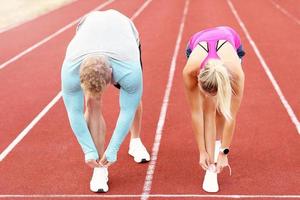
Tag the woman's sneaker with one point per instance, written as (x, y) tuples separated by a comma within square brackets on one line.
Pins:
[(138, 151), (99, 180), (210, 183)]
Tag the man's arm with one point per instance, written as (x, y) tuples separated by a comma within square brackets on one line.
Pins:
[(74, 101), (130, 97), (74, 105)]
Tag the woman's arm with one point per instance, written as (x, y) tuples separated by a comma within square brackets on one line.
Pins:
[(195, 103), (238, 79), (210, 111), (195, 100), (235, 105), (194, 96), (230, 125)]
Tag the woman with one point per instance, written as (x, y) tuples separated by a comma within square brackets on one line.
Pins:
[(214, 84), (104, 50)]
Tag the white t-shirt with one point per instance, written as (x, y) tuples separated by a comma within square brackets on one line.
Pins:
[(99, 33)]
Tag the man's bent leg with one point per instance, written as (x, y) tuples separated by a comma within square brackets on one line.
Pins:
[(137, 123), (136, 147)]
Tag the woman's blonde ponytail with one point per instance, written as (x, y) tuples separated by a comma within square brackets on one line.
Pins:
[(215, 77)]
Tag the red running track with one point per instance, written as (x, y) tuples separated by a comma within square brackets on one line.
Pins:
[(48, 161)]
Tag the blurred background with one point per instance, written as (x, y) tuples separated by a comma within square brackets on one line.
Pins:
[(13, 12)]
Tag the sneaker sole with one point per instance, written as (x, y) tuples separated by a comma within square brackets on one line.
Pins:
[(210, 191), (101, 191), (144, 160)]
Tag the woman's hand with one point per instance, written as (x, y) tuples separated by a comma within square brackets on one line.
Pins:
[(204, 160), (222, 162), (104, 162), (92, 163)]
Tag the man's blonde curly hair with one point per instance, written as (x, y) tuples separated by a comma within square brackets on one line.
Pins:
[(95, 74)]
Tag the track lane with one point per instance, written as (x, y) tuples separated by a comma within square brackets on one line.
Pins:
[(291, 6), (21, 37), (34, 80), (263, 128), (253, 130), (277, 45), (56, 144)]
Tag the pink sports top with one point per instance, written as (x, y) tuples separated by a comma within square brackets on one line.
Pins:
[(212, 37)]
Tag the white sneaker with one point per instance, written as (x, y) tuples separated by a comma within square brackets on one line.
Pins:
[(217, 150), (138, 151), (210, 183), (99, 180)]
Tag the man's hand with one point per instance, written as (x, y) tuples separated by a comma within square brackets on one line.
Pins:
[(92, 163), (222, 162), (104, 162), (204, 160)]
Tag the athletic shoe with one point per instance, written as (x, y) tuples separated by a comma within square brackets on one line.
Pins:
[(99, 180), (210, 182), (217, 150), (138, 151)]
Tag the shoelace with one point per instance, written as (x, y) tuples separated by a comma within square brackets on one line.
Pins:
[(229, 169)]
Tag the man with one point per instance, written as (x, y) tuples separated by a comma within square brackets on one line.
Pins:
[(104, 50)]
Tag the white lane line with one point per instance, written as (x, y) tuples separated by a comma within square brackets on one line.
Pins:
[(284, 11), (140, 10), (267, 69), (164, 108), (151, 196), (51, 104), (26, 51), (29, 127), (4, 29)]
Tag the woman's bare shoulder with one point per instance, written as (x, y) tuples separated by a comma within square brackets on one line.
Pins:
[(196, 58)]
